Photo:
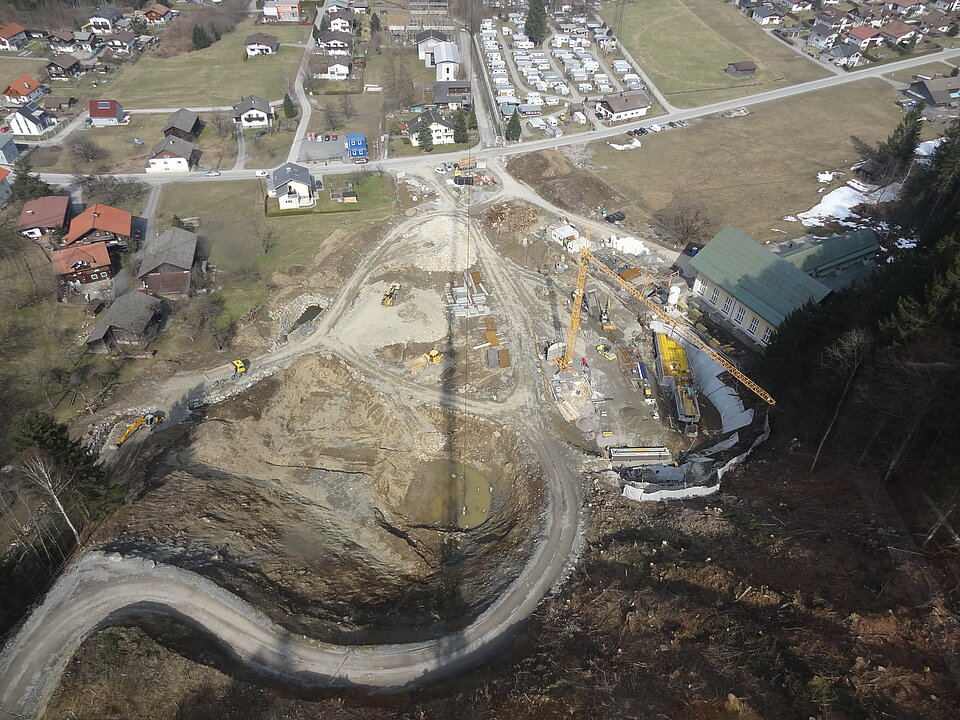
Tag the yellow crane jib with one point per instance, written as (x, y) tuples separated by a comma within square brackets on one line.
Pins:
[(686, 333), (565, 361)]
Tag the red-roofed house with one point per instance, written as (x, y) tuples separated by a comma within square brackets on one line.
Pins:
[(898, 32), (6, 192), (106, 112), (23, 90), (100, 223), (12, 36), (82, 264), (158, 14), (43, 215), (864, 37)]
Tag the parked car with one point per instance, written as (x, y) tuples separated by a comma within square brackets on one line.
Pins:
[(440, 170), (656, 128), (212, 173), (262, 173), (641, 131), (615, 217), (682, 123), (671, 124)]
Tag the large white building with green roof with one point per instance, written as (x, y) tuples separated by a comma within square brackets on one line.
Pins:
[(750, 288)]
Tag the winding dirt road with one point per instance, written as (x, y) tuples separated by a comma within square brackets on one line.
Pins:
[(101, 590)]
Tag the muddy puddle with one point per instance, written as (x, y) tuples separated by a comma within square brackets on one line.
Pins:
[(311, 313), (453, 493)]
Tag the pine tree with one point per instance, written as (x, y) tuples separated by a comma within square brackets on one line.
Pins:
[(472, 119), (513, 127), (375, 23), (897, 150), (200, 38), (460, 134), (289, 111), (536, 26), (26, 185), (425, 138)]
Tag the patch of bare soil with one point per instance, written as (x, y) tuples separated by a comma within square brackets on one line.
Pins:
[(563, 184), (313, 497), (778, 598)]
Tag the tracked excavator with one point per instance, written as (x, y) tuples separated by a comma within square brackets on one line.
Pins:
[(149, 420)]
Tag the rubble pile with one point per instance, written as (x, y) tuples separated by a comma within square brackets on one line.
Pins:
[(511, 217)]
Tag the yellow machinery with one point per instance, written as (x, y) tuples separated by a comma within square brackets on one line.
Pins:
[(565, 361), (434, 357), (239, 366), (605, 322), (150, 420), (606, 351), (390, 294)]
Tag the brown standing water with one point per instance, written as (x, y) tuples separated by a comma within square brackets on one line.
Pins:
[(454, 494)]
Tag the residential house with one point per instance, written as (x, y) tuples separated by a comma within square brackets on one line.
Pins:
[(822, 37), (426, 41), (252, 112), (838, 261), (281, 11), (935, 23), (43, 216), (898, 32), (172, 154), (874, 17), (938, 92), (167, 264), (12, 37), (446, 58), (748, 287), (31, 120), (833, 20), (741, 69), (332, 42), (796, 6), (132, 321), (82, 264), (452, 95), (293, 186), (766, 15), (262, 44), (341, 21), (947, 6), (23, 90), (6, 192), (357, 147), (85, 41), (62, 41), (624, 105), (183, 124), (441, 129), (123, 42), (906, 8), (106, 112), (58, 102), (361, 7), (863, 37), (100, 223), (9, 151), (64, 67), (328, 68), (332, 6), (158, 14), (103, 21), (843, 56)]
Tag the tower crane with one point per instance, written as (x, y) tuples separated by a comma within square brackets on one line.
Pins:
[(565, 362)]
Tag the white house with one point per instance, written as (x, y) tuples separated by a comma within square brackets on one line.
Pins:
[(262, 44), (328, 68), (293, 186), (766, 15), (12, 37), (623, 106), (446, 57), (31, 120), (332, 42), (8, 149), (440, 128), (23, 90), (426, 42), (106, 112), (103, 21), (6, 192), (252, 112), (341, 21), (172, 154)]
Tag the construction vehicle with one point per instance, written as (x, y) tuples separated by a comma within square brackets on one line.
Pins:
[(605, 322), (150, 420), (390, 294), (565, 362), (240, 367), (434, 357), (606, 351)]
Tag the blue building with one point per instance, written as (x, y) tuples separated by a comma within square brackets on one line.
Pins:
[(357, 145)]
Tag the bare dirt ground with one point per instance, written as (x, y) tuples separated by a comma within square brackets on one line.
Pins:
[(778, 598)]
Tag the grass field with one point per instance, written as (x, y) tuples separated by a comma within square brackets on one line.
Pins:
[(909, 75), (267, 151), (13, 67), (123, 155), (752, 171), (685, 46), (215, 76), (228, 212)]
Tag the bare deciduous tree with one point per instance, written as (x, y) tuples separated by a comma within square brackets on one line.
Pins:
[(46, 478), (222, 124), (690, 224), (86, 150)]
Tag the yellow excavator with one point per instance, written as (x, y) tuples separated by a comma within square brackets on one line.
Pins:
[(239, 366), (605, 322), (434, 357), (150, 420), (390, 294)]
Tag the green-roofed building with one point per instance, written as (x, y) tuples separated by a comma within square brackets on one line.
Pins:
[(838, 261), (751, 288)]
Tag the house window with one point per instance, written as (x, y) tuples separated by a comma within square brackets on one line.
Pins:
[(714, 295), (701, 286), (727, 304), (754, 324), (739, 317), (767, 334)]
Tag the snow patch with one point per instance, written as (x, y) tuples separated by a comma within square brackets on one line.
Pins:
[(632, 145), (839, 204), (827, 176), (926, 149)]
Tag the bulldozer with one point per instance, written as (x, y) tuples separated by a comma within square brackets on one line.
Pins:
[(606, 351), (390, 294), (150, 420), (434, 357)]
